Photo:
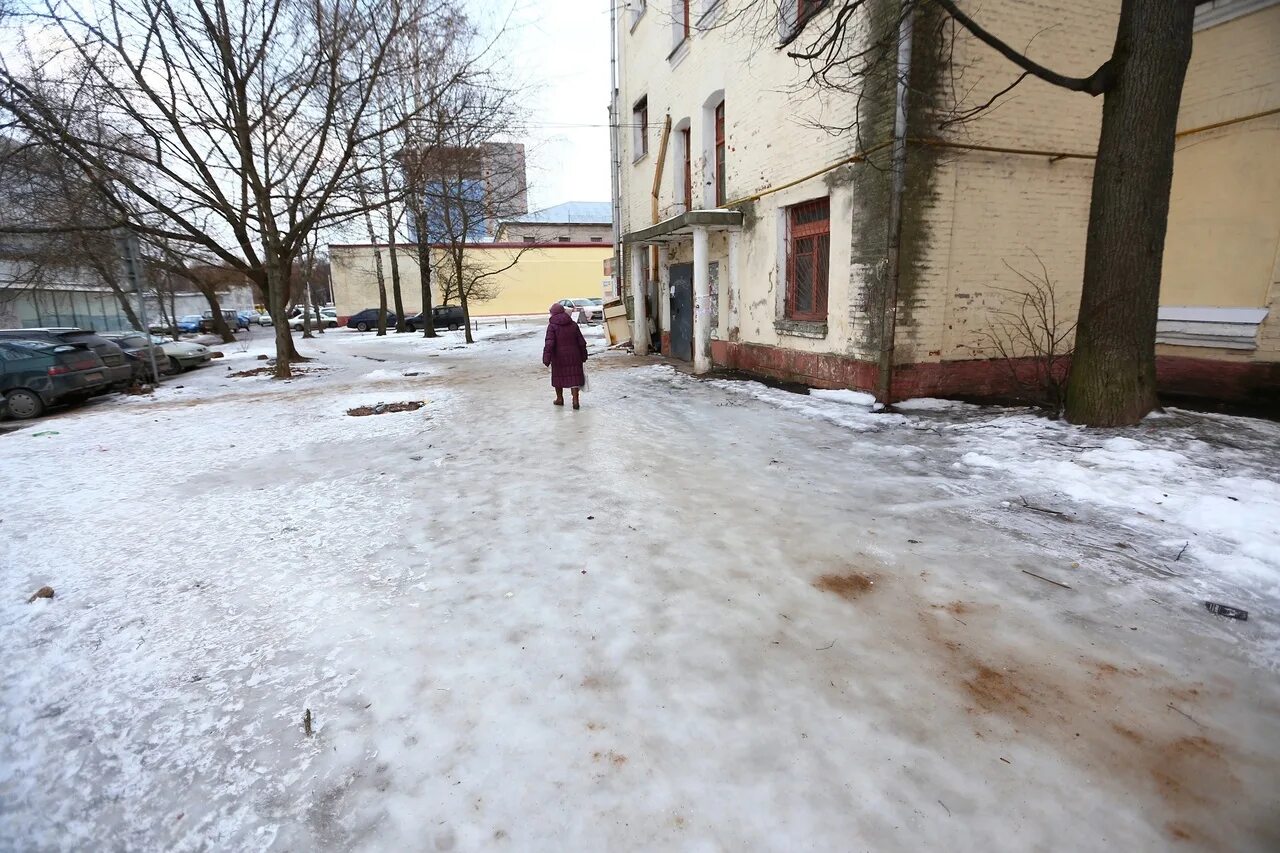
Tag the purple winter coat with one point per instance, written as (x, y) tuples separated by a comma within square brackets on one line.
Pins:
[(565, 350)]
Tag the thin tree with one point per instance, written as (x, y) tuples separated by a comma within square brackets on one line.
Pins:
[(464, 189)]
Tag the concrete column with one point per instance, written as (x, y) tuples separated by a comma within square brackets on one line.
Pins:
[(731, 285), (639, 289), (662, 275), (701, 301)]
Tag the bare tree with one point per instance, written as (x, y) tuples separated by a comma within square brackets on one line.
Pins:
[(851, 46), (463, 189), (233, 128), (1033, 341)]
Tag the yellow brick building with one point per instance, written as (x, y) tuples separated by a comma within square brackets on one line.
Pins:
[(532, 277), (746, 163)]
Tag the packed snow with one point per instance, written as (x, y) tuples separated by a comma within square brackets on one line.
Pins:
[(695, 615)]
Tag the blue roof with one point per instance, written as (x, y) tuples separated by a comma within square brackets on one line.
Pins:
[(570, 213)]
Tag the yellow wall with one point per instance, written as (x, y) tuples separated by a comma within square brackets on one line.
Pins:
[(538, 278), (1223, 247)]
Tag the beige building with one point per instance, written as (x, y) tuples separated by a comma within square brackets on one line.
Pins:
[(571, 222), (527, 281), (766, 247)]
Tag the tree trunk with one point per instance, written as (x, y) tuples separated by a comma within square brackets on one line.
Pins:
[(458, 270), (306, 310), (392, 222), (126, 305), (424, 272), (319, 317), (395, 281), (219, 322), (277, 290), (1113, 371), (377, 268)]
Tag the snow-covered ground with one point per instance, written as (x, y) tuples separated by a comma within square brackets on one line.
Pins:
[(695, 615)]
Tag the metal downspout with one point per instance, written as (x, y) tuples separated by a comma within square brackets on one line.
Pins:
[(889, 311), (615, 185)]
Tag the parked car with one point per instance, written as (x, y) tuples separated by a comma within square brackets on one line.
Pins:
[(442, 316), (118, 370), (250, 318), (36, 374), (264, 319), (368, 319), (295, 323), (182, 355), (189, 323), (137, 348), (234, 321), (592, 310)]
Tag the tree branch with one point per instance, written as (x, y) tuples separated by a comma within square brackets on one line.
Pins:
[(1095, 84)]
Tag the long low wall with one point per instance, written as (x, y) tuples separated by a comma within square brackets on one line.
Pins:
[(525, 280), (1251, 383)]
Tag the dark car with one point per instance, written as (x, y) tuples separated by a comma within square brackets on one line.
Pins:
[(235, 321), (118, 369), (368, 319), (442, 317), (137, 348), (36, 374)]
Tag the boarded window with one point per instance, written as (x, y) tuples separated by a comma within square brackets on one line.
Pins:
[(808, 259)]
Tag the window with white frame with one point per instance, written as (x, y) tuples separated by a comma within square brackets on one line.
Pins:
[(636, 10), (640, 128), (713, 151), (681, 23), (1213, 12), (684, 165)]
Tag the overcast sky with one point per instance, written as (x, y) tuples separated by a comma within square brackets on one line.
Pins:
[(559, 49)]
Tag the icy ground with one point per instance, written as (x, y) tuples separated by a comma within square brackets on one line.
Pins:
[(695, 615)]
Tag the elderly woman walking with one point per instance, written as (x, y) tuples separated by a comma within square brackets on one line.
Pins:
[(565, 352)]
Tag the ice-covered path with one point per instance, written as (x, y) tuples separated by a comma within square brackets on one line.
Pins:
[(691, 616)]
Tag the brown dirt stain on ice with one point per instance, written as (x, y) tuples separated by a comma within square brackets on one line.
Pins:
[(850, 587), (995, 690), (1106, 716)]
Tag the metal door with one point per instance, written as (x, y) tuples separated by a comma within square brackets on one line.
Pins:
[(682, 311)]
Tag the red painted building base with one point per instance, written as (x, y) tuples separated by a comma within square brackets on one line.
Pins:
[(1238, 382)]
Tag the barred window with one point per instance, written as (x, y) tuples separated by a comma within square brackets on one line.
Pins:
[(808, 259)]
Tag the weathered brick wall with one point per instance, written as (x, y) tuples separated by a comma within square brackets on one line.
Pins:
[(975, 219), (772, 139), (968, 213)]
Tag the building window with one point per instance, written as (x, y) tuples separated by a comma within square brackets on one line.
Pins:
[(637, 8), (597, 239), (681, 26), (640, 127), (720, 196), (1213, 12), (686, 150), (563, 239), (805, 8), (530, 239), (808, 258)]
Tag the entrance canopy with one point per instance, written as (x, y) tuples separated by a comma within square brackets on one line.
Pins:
[(680, 228)]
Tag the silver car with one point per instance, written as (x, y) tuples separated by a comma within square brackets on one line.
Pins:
[(181, 354)]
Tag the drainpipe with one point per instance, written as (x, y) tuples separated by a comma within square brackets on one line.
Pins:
[(615, 151), (898, 172)]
